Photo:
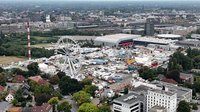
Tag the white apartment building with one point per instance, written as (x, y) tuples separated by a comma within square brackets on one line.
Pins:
[(163, 98)]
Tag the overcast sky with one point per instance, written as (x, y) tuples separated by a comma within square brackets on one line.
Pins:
[(100, 0)]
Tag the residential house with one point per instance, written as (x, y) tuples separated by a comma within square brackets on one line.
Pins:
[(39, 80), (45, 107), (9, 98), (19, 79), (2, 88), (187, 78), (15, 109), (4, 106)]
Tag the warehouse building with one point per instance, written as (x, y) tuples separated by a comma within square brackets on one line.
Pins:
[(116, 40), (169, 36), (151, 40)]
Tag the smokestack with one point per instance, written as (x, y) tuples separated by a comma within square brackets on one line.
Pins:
[(29, 42)]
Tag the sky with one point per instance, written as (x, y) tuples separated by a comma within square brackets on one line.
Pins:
[(99, 0)]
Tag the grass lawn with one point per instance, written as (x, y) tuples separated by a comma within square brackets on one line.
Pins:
[(40, 38), (10, 59), (43, 38), (197, 79), (41, 45)]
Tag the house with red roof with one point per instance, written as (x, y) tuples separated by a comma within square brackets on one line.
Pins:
[(187, 78), (172, 81), (39, 80), (45, 107), (19, 79), (2, 88)]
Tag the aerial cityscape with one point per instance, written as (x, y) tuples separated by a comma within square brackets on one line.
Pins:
[(99, 56)]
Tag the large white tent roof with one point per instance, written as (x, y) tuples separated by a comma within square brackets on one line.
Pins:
[(116, 37)]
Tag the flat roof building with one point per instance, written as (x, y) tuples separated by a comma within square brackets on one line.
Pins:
[(131, 102), (182, 92), (116, 40), (150, 40), (169, 36), (189, 43)]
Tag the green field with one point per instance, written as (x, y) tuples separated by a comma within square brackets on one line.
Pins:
[(41, 45)]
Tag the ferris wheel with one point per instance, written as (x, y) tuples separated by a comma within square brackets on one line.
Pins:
[(70, 56)]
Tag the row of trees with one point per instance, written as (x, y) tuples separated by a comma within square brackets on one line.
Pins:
[(65, 32), (184, 106), (60, 105), (83, 98), (16, 50), (177, 62), (181, 62)]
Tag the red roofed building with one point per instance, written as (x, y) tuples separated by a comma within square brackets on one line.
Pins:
[(169, 81), (188, 78), (19, 79), (1, 88), (43, 82), (39, 80), (35, 78), (45, 107)]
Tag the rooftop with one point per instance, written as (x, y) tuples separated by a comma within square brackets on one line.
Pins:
[(171, 87), (154, 40), (169, 93), (168, 36), (116, 37), (130, 98), (157, 109), (43, 108)]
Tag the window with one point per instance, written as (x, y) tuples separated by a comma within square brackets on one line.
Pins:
[(134, 105), (117, 103), (117, 111), (134, 109)]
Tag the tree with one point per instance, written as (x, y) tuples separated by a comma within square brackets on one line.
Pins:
[(194, 106), (2, 79), (104, 108), (192, 52), (61, 74), (14, 102), (43, 89), (146, 73), (174, 74), (54, 101), (173, 65), (69, 86), (57, 94), (42, 98), (86, 81), (54, 80), (34, 68), (64, 106), (196, 86), (18, 96), (126, 90), (180, 61), (196, 62), (88, 107), (161, 70), (1, 69), (90, 89), (183, 106), (81, 97)]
